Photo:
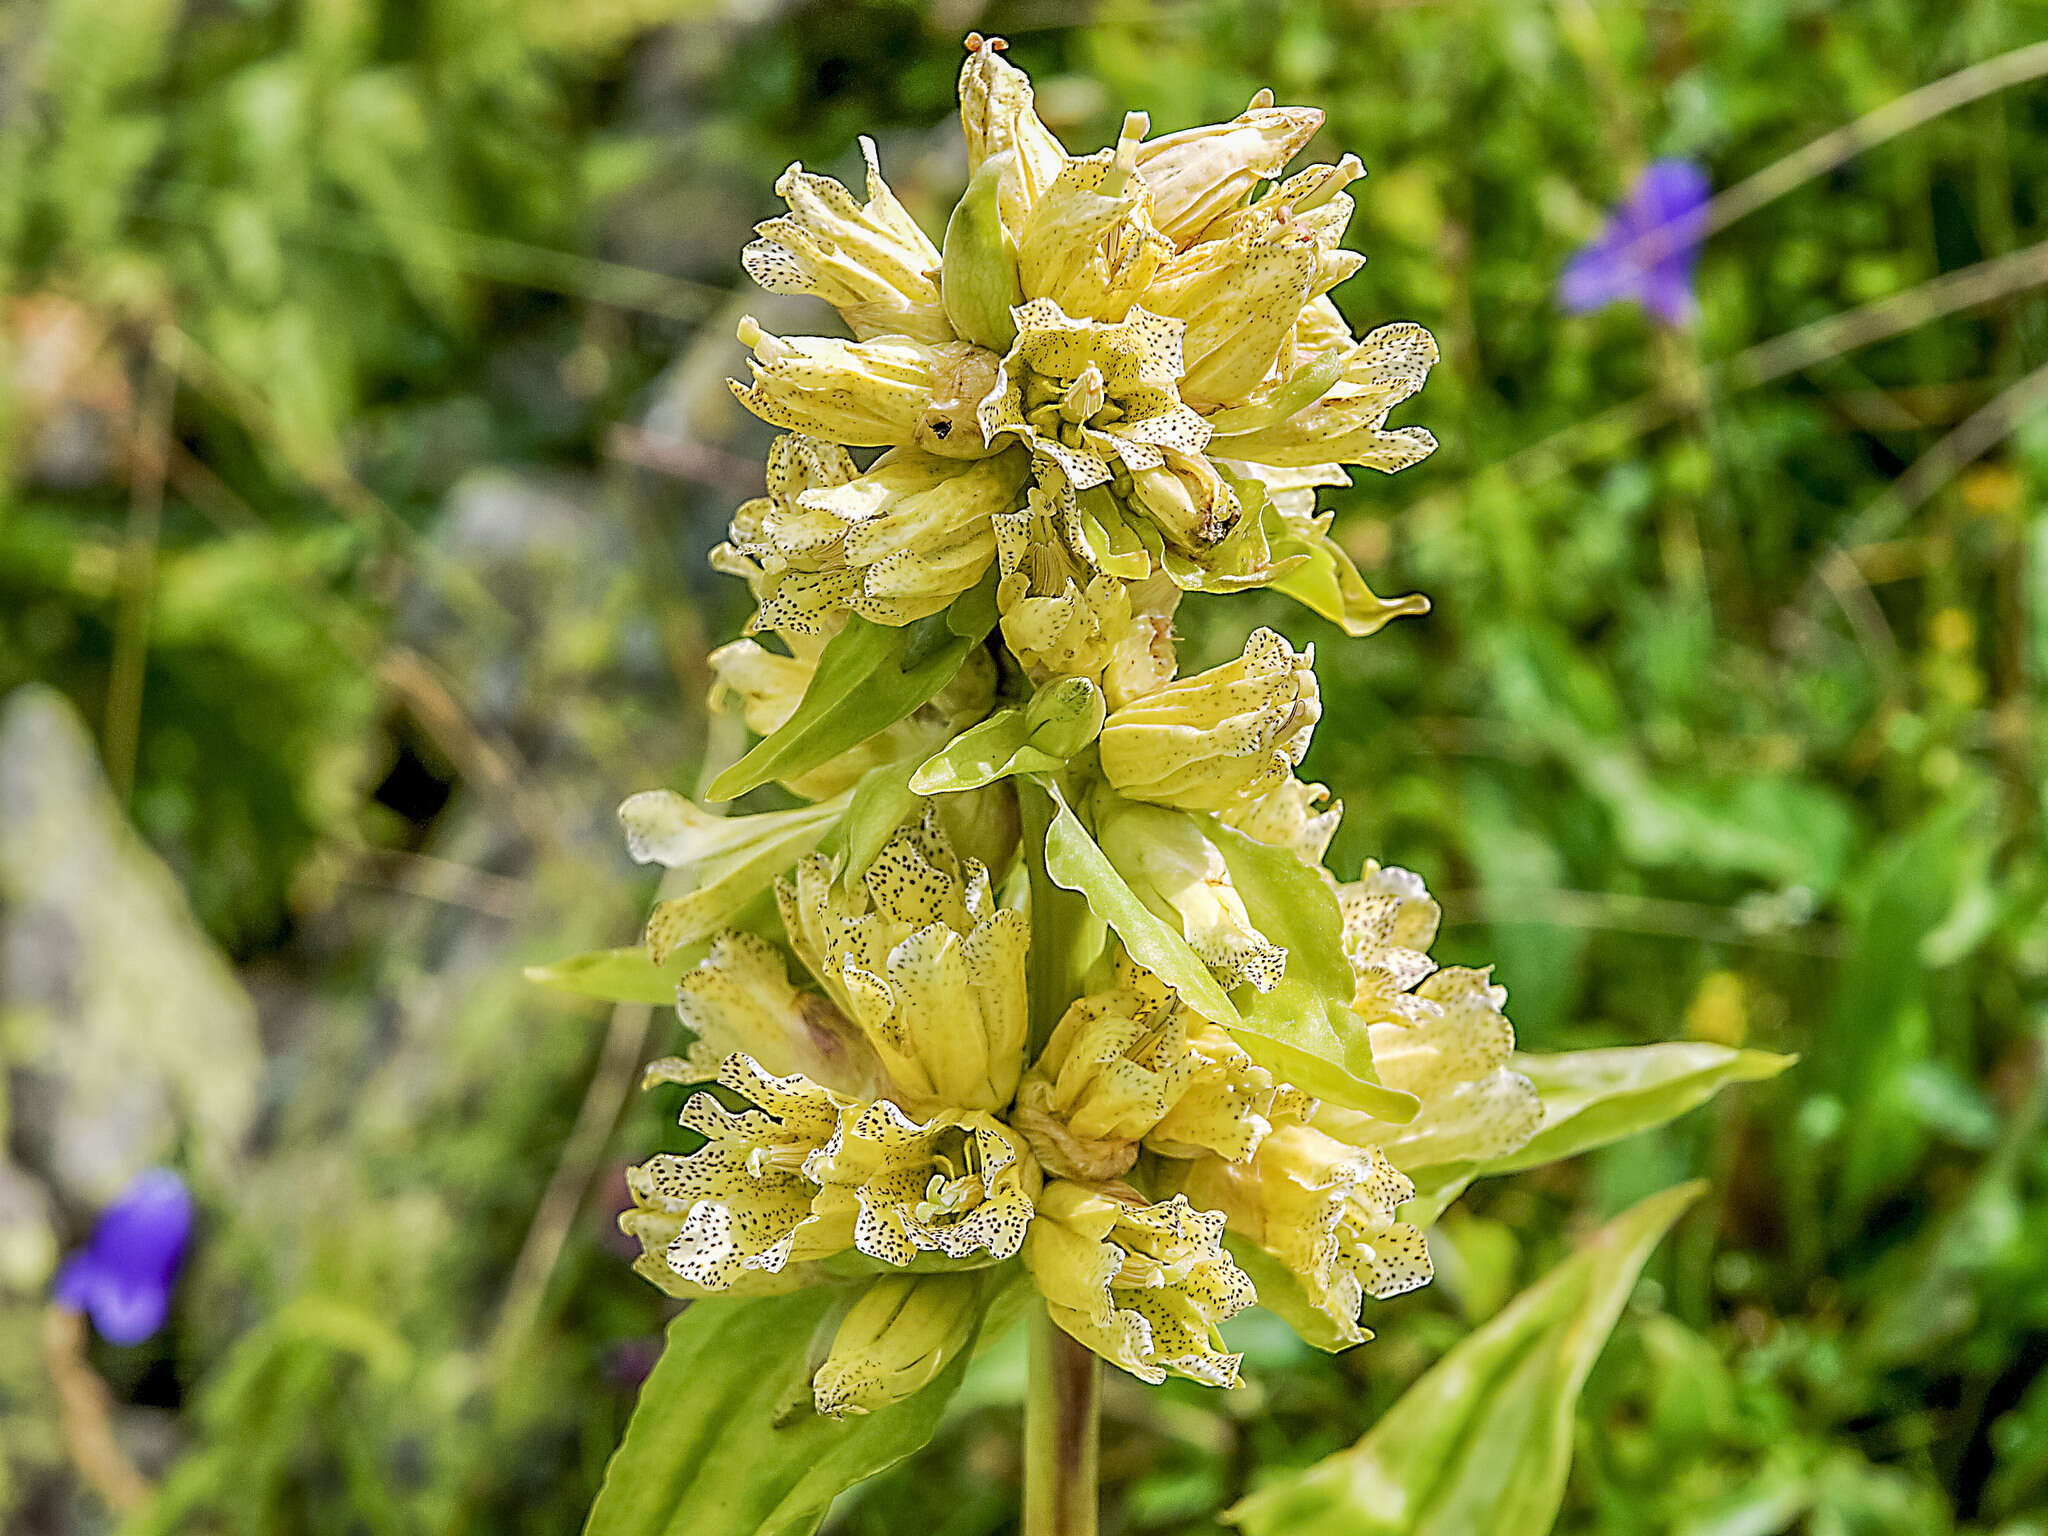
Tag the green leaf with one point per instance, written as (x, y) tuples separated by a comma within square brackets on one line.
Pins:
[(1075, 862), (721, 862), (1592, 1098), (992, 750), (1304, 1029), (1066, 935), (1482, 1443), (703, 1455), (619, 975), (870, 676)]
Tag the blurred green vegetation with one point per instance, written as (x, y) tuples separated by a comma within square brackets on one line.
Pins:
[(365, 438)]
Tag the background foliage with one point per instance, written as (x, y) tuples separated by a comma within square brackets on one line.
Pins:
[(365, 436)]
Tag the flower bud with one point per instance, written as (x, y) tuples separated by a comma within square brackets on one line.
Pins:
[(900, 1333), (1327, 1211), (1219, 739), (868, 260), (1144, 1286), (1191, 503), (1181, 876), (1064, 717), (922, 959), (1201, 174)]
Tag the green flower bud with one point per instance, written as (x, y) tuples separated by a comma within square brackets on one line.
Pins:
[(980, 264), (900, 1333)]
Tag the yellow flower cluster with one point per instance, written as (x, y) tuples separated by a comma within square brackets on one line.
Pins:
[(1118, 378)]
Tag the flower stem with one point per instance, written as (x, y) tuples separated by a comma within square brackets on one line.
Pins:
[(1061, 1439)]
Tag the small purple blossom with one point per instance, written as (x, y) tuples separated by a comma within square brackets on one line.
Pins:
[(1648, 249), (124, 1273)]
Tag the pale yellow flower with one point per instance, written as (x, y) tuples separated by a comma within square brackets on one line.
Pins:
[(741, 1204), (1230, 1104), (1347, 425), (868, 260), (997, 116), (899, 1334), (804, 1174), (1222, 738), (1142, 1285), (1200, 175), (1438, 1034), (887, 392), (1324, 1209), (1182, 877), (738, 1000), (1115, 1064), (957, 1183), (1097, 399), (893, 545), (1088, 245), (1242, 296), (1287, 816), (920, 957)]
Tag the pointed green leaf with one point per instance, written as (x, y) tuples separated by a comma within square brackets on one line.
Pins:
[(1304, 1029), (1075, 862), (1591, 1098), (618, 975), (1481, 1444), (870, 676), (703, 1455)]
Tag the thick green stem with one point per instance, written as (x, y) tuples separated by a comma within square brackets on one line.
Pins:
[(1061, 1439)]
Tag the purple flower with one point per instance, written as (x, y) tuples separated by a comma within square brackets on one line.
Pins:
[(124, 1273), (1648, 249)]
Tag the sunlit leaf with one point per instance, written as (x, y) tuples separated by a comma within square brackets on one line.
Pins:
[(1304, 1028), (618, 975), (1077, 864), (1481, 1444), (724, 1441), (870, 676)]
